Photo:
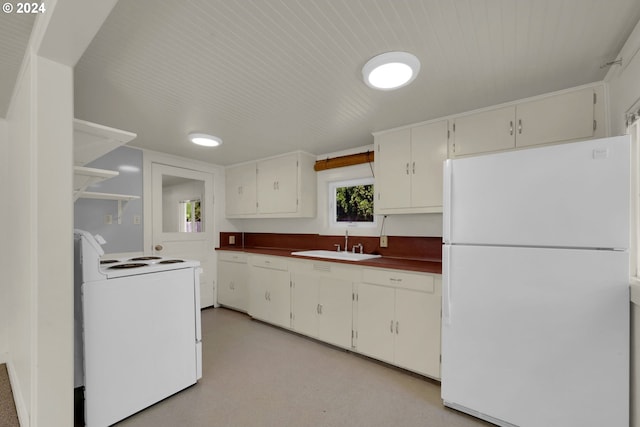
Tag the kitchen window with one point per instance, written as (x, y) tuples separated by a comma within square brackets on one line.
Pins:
[(351, 203)]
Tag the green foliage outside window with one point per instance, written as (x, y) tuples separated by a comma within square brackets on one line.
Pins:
[(193, 206), (354, 203)]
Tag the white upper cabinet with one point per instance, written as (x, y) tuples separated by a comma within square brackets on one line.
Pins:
[(278, 187), (568, 116), (563, 117), (241, 193), (492, 130), (409, 169)]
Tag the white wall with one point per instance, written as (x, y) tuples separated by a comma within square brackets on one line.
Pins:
[(624, 82), (20, 274), (38, 278), (4, 219), (40, 275), (394, 225)]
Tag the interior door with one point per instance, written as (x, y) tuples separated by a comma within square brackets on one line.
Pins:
[(182, 217)]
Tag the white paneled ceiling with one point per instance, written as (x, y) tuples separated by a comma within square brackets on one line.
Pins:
[(271, 76), (15, 30)]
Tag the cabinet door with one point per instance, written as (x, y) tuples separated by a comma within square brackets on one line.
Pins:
[(270, 296), (304, 303), (241, 190), (278, 185), (428, 152), (233, 289), (417, 345), (258, 292), (393, 179), (557, 118), (279, 295), (376, 323), (487, 131), (335, 311)]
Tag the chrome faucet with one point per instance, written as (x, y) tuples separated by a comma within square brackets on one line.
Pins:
[(346, 240), (359, 245)]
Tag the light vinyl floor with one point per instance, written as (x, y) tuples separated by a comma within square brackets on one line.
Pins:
[(256, 375)]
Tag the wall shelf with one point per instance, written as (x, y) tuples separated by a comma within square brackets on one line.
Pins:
[(90, 141)]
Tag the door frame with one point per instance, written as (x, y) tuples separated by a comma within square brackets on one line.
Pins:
[(217, 222)]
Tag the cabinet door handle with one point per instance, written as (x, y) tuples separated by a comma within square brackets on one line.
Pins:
[(407, 169), (318, 308), (391, 327), (520, 126), (511, 127), (397, 328), (413, 167)]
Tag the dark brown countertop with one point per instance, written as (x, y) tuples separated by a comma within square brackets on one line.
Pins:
[(398, 263)]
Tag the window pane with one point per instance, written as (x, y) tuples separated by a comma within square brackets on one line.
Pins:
[(354, 203)]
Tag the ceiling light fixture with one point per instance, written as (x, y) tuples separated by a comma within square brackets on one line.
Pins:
[(390, 70), (205, 139)]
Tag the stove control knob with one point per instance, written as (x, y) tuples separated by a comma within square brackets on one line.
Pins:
[(158, 247)]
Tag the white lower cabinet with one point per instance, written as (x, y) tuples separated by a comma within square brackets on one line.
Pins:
[(233, 280), (390, 315), (269, 293), (321, 304), (398, 319)]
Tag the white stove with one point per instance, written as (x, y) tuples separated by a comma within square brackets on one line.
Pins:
[(131, 312)]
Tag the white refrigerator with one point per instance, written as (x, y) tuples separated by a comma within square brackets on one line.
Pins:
[(535, 329)]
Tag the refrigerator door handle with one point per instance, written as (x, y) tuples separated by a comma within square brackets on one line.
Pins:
[(446, 202), (446, 285)]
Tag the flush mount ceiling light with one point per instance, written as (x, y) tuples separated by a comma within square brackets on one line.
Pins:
[(390, 70), (205, 139)]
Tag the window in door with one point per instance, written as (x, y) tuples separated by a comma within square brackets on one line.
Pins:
[(189, 213)]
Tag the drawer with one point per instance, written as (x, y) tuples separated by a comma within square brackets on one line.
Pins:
[(326, 269), (273, 263), (240, 257), (398, 279)]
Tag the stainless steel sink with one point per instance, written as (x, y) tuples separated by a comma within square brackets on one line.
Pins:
[(344, 256)]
